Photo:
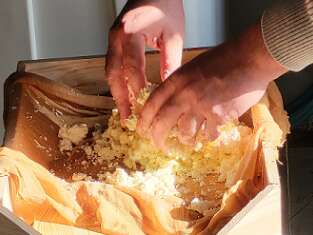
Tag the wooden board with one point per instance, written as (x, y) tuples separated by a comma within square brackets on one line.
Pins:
[(262, 215), (78, 72), (258, 217)]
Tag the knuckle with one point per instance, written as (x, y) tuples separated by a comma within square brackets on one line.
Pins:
[(160, 126), (190, 93), (170, 84), (189, 97)]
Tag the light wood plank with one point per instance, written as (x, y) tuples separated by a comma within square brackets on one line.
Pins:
[(261, 215), (270, 155), (78, 72)]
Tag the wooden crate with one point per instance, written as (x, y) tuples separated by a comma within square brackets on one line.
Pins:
[(262, 215)]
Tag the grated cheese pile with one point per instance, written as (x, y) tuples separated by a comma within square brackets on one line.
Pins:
[(185, 171)]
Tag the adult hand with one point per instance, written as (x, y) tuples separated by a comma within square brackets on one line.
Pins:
[(215, 87), (158, 24)]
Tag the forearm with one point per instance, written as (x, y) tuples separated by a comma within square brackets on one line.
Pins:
[(247, 54), (288, 33), (254, 56)]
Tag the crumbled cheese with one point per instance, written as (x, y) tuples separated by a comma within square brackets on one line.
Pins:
[(198, 146), (80, 176), (152, 171), (161, 182), (88, 150), (75, 133), (71, 135), (65, 145)]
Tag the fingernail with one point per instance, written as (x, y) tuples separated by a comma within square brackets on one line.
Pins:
[(166, 73)]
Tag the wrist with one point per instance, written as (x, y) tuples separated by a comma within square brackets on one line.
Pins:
[(245, 56), (255, 57)]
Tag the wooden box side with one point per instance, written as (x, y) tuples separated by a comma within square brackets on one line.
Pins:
[(78, 72), (263, 214)]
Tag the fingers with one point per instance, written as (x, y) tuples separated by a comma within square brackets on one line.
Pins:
[(114, 74), (171, 48), (143, 20), (156, 100), (134, 62), (176, 102), (168, 115), (209, 129), (125, 68), (164, 122), (188, 125), (191, 126)]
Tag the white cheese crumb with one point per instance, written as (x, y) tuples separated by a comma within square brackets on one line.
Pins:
[(75, 133), (71, 135), (79, 176), (161, 182)]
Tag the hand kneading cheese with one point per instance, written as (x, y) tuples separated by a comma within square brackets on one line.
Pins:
[(117, 182), (199, 175)]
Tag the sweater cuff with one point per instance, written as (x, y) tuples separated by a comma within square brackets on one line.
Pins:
[(287, 30)]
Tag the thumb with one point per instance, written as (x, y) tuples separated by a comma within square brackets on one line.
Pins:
[(171, 50)]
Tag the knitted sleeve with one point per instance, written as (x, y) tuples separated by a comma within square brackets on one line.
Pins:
[(287, 29)]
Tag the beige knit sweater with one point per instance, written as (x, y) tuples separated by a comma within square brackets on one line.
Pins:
[(288, 33)]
